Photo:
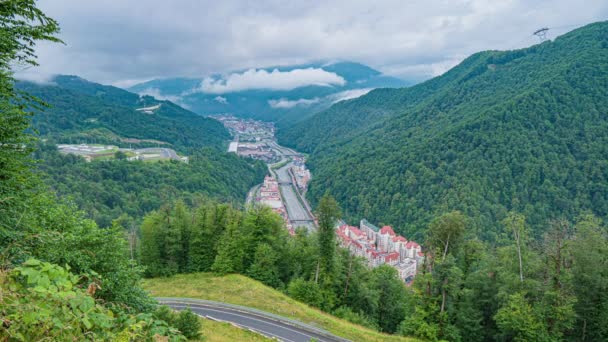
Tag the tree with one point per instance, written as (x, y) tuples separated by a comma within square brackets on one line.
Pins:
[(391, 298), (590, 276), (230, 253), (558, 296), (516, 224), (149, 254), (328, 213), (264, 267), (305, 291), (445, 234), (261, 226), (22, 25), (518, 320)]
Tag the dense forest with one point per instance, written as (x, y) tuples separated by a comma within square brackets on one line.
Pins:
[(517, 289), (107, 190), (84, 112), (218, 238), (521, 130)]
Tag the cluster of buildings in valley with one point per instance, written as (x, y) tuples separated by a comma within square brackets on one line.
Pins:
[(91, 152), (301, 173), (251, 138), (270, 195), (246, 129), (258, 150), (381, 246)]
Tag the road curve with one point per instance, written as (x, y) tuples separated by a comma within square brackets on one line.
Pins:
[(267, 324)]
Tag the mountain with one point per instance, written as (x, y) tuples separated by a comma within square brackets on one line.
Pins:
[(523, 130), (282, 94), (81, 111)]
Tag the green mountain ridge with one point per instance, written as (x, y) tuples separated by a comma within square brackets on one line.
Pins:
[(521, 130), (81, 111), (261, 103)]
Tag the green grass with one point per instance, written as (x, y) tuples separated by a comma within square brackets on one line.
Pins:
[(240, 290), (214, 331)]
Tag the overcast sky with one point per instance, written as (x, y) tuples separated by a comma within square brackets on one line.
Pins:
[(124, 41)]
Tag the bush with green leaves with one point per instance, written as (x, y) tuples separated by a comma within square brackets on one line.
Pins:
[(40, 301), (186, 321)]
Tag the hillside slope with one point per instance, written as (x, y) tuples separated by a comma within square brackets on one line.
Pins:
[(523, 130), (85, 111), (240, 290)]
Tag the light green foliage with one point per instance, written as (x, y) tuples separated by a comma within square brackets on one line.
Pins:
[(229, 258), (255, 243), (590, 276), (23, 25), (328, 213), (187, 322), (264, 267), (519, 321), (305, 291), (45, 301), (391, 298)]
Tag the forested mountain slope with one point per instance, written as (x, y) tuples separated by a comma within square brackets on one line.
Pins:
[(82, 111), (523, 130)]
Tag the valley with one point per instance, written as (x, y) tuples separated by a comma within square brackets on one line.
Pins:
[(228, 172), (280, 190)]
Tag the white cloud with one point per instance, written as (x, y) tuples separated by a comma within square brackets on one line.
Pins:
[(221, 99), (348, 94), (194, 38), (35, 77), (155, 92), (286, 104), (424, 70), (275, 80)]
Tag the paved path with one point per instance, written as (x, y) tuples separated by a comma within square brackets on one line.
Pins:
[(265, 323)]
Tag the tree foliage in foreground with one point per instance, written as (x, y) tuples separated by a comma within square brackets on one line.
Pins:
[(41, 300), (218, 238)]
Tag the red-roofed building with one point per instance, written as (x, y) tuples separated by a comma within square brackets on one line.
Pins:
[(385, 237), (381, 246), (412, 249), (391, 258)]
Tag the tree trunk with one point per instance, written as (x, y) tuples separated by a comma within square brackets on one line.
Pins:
[(443, 295), (445, 249), (317, 273), (350, 268), (521, 266)]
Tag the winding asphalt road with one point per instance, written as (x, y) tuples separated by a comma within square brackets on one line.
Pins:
[(269, 325)]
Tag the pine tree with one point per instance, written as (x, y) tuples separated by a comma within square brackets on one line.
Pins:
[(328, 214), (229, 258), (150, 254), (264, 267)]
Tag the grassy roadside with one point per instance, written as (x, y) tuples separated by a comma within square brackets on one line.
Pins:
[(225, 332), (240, 290)]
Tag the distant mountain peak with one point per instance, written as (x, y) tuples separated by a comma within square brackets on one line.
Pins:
[(284, 94)]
